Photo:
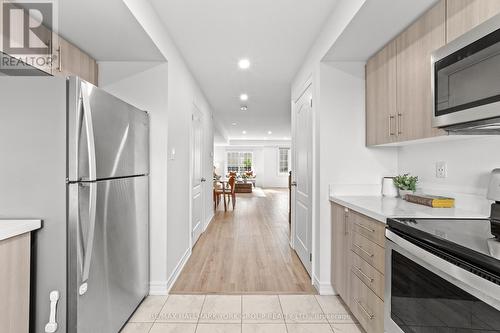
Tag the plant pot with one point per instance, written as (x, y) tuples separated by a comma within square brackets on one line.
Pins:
[(403, 193)]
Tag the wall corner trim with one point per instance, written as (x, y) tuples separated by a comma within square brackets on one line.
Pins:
[(325, 289), (178, 268), (158, 288)]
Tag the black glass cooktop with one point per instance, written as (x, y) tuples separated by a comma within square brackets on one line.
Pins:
[(468, 240)]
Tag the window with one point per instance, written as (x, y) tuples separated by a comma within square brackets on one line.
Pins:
[(284, 160), (239, 161)]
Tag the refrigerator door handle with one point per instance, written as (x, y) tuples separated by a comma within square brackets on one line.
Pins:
[(89, 242), (89, 129)]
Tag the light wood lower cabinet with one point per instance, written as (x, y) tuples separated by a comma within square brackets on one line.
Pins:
[(366, 306), (358, 263), (340, 250), (15, 284)]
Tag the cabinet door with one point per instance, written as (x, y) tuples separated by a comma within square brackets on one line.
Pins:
[(463, 15), (414, 94), (381, 96), (70, 60), (340, 249)]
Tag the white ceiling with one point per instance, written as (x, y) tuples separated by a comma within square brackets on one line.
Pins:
[(374, 25), (274, 34), (106, 30)]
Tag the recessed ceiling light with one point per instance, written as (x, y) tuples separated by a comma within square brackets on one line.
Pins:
[(244, 108), (244, 97), (234, 124), (244, 63), (244, 132), (269, 132)]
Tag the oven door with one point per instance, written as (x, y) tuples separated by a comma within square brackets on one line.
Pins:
[(424, 293)]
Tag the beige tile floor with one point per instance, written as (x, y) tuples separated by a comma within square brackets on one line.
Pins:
[(242, 314)]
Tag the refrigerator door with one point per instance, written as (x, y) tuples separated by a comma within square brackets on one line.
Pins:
[(108, 257), (107, 138)]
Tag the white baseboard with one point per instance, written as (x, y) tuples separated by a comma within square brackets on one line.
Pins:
[(158, 288), (209, 220), (178, 268), (325, 289)]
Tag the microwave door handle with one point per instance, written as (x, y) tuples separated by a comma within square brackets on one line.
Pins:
[(89, 129), (86, 256)]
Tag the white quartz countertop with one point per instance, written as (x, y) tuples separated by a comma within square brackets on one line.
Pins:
[(380, 208), (12, 228)]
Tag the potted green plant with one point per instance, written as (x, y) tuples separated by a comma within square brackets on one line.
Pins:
[(406, 184)]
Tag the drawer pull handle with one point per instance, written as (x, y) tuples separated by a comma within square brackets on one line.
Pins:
[(363, 273), (368, 314), (363, 250), (364, 227)]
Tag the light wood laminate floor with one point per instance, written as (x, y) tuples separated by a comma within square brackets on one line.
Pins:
[(246, 251)]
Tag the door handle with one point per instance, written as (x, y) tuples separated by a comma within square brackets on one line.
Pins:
[(293, 184), (391, 118), (400, 126), (86, 253), (363, 250), (60, 65), (365, 311), (89, 129), (203, 180), (51, 326)]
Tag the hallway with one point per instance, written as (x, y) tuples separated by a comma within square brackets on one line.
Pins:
[(246, 251)]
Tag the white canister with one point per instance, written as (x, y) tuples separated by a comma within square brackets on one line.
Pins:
[(388, 187)]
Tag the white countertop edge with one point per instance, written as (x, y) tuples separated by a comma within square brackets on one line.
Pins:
[(12, 228), (370, 213), (410, 210)]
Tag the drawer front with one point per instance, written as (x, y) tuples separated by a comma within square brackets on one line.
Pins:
[(368, 251), (371, 229), (369, 275), (366, 306)]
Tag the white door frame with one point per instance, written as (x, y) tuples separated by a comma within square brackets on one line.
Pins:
[(196, 112), (307, 84)]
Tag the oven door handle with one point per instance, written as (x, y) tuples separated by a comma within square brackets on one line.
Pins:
[(483, 289)]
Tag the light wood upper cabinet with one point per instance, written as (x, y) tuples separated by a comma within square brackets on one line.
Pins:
[(414, 94), (463, 15), (70, 60), (340, 250), (381, 96)]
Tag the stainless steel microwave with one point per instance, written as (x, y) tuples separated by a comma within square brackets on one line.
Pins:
[(466, 81)]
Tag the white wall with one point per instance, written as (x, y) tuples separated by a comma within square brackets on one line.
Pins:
[(183, 93), (265, 163), (130, 88), (309, 72), (343, 156), (469, 161)]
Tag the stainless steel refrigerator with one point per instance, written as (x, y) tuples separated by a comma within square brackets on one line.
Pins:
[(77, 158)]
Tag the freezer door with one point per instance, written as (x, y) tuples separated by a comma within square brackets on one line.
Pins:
[(107, 138), (108, 253)]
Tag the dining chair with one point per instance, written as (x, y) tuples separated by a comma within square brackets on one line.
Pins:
[(228, 191)]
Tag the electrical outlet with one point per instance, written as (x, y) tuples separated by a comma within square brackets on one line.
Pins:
[(441, 170)]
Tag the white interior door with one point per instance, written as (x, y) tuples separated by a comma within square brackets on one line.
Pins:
[(302, 179), (197, 180)]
